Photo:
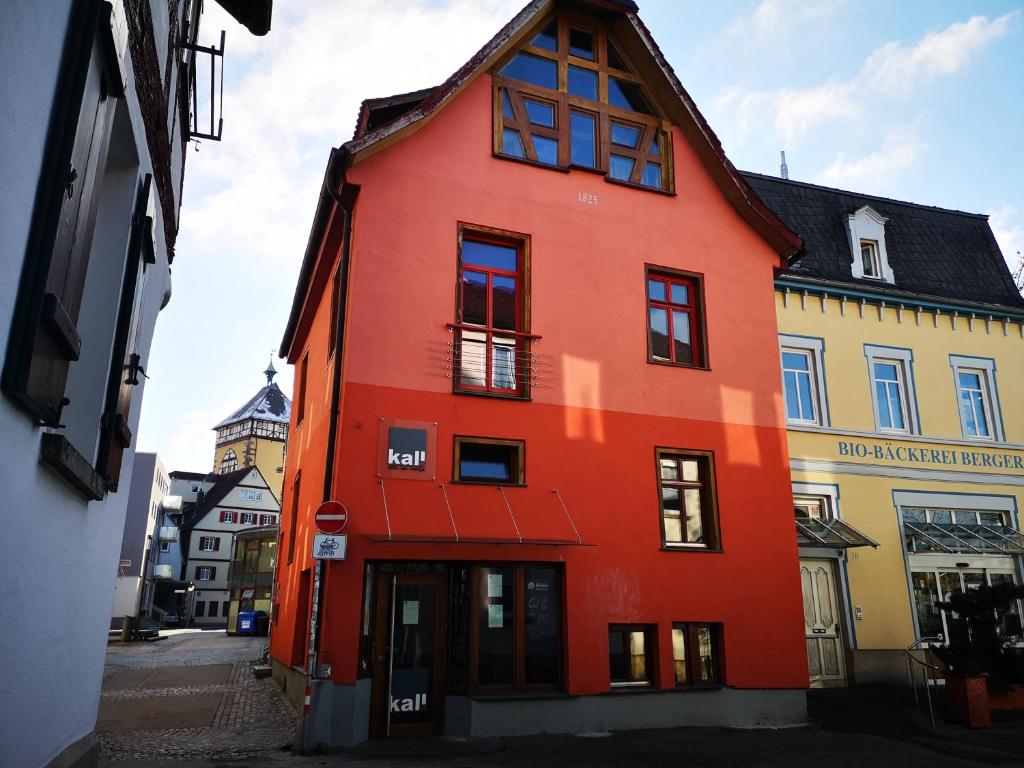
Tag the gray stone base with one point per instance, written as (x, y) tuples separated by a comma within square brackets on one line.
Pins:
[(341, 713), (626, 710), (84, 753), (878, 667), (291, 680)]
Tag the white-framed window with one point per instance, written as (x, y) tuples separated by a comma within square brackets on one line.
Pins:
[(891, 373), (227, 516), (870, 264), (208, 543), (803, 379), (165, 546), (247, 494), (247, 518), (869, 258), (977, 397), (267, 520), (205, 573)]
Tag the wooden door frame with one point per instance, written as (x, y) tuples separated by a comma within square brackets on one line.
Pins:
[(381, 685)]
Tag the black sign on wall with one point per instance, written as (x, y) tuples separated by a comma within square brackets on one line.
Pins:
[(407, 448)]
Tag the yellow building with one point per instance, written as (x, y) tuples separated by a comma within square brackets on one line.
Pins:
[(256, 435), (902, 351)]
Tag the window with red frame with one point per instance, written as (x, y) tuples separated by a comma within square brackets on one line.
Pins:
[(491, 325), (674, 322)]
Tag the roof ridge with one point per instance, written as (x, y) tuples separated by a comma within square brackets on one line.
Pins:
[(864, 195)]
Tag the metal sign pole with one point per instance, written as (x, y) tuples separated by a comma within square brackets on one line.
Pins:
[(311, 660)]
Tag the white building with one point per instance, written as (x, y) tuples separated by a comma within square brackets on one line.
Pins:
[(235, 501), (96, 114)]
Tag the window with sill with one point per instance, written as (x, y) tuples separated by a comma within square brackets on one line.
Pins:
[(803, 380), (630, 655), (489, 461), (675, 324), (978, 397), (695, 655), (570, 99), (687, 499), (492, 322), (892, 389)]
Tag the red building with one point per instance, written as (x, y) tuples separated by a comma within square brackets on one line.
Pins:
[(536, 358)]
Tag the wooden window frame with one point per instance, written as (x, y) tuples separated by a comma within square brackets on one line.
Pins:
[(691, 643), (524, 339), (300, 399), (294, 517), (653, 126), (694, 281), (519, 684), (519, 459), (709, 499), (650, 656)]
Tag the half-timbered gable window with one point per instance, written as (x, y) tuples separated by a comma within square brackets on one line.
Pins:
[(570, 99)]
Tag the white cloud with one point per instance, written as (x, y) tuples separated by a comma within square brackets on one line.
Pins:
[(1007, 226), (890, 72), (778, 21), (895, 69), (901, 150)]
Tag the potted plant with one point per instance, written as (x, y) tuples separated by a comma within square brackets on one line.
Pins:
[(982, 658)]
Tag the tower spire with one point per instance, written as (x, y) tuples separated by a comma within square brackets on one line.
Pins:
[(270, 371)]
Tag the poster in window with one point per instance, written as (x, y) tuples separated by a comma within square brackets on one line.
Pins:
[(495, 616), (410, 611), (494, 585)]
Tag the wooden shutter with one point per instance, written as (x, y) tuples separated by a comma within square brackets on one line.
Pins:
[(213, 572), (125, 367), (197, 572), (44, 338), (216, 544)]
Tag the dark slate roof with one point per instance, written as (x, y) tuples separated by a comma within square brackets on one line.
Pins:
[(269, 404), (181, 474), (933, 252), (214, 496)]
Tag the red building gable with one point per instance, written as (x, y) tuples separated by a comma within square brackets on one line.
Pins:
[(536, 358)]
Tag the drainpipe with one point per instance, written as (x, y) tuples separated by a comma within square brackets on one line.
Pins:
[(346, 203)]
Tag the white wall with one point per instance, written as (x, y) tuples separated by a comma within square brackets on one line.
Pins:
[(58, 554)]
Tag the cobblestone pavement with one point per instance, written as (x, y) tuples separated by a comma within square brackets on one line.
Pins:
[(241, 717)]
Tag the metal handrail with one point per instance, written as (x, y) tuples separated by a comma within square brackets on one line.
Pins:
[(928, 673)]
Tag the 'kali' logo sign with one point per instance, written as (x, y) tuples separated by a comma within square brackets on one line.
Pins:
[(416, 703), (407, 448)]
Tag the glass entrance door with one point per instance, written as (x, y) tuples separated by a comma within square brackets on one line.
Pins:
[(935, 586), (408, 655)]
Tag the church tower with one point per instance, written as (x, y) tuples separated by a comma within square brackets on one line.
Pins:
[(255, 435)]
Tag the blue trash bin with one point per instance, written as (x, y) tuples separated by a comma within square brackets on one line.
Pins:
[(246, 623)]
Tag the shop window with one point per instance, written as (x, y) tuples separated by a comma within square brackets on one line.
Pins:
[(200, 611), (213, 609), (892, 389), (582, 111), (516, 625), (489, 461), (631, 654), (687, 498), (977, 396), (675, 326), (492, 323), (695, 654)]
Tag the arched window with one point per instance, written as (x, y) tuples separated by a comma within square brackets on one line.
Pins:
[(228, 462)]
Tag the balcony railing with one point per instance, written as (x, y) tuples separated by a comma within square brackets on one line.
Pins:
[(165, 571), (490, 360), (168, 533)]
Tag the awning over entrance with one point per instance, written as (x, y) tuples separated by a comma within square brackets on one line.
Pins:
[(963, 538), (836, 534)]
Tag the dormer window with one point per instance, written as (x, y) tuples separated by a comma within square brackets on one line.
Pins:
[(869, 259), (570, 99)]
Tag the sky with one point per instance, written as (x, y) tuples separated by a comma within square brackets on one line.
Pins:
[(919, 101)]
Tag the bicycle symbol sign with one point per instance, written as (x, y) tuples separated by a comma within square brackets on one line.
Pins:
[(327, 546)]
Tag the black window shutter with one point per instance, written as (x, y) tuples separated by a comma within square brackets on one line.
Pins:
[(125, 367), (213, 572), (44, 339), (216, 544), (197, 572)]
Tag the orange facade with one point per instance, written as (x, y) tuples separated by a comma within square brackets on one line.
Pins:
[(590, 426)]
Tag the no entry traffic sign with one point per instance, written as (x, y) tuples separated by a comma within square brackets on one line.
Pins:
[(331, 517)]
